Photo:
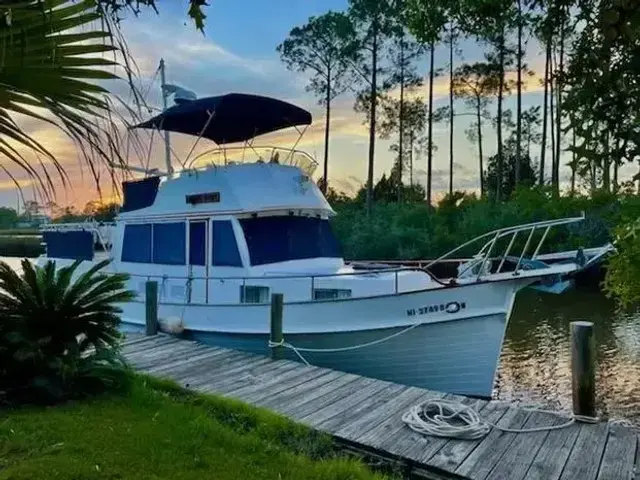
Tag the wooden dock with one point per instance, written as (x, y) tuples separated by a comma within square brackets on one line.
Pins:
[(365, 414)]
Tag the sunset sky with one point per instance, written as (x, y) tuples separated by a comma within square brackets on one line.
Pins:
[(237, 54)]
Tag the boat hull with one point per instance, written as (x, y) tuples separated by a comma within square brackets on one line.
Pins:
[(446, 339)]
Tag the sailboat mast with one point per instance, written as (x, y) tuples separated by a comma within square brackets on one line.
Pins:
[(167, 141)]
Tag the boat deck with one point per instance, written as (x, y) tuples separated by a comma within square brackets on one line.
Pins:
[(365, 414)]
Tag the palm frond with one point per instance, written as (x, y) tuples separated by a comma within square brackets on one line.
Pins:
[(52, 58)]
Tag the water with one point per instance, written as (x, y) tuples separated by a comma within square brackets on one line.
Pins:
[(535, 361), (536, 355)]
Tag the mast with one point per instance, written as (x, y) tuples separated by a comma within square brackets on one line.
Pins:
[(165, 94)]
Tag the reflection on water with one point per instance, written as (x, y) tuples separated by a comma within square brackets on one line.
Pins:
[(536, 356)]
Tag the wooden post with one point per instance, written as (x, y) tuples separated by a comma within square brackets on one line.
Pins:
[(276, 325), (583, 368), (151, 305)]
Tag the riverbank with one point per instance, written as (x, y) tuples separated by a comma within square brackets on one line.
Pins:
[(159, 431)]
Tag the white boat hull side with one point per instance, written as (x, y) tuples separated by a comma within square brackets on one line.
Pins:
[(456, 352)]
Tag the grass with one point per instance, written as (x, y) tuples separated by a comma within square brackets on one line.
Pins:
[(159, 431)]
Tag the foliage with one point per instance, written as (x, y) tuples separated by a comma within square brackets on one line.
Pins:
[(508, 185), (59, 334), (623, 273), (160, 431), (8, 218), (51, 62), (417, 231), (116, 7)]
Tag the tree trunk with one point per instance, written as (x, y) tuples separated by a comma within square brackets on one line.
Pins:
[(479, 120), (519, 97), (401, 122), (573, 164), (411, 158), (552, 129), (560, 72), (372, 120), (501, 60), (432, 48), (451, 113), (606, 164), (543, 147), (325, 176)]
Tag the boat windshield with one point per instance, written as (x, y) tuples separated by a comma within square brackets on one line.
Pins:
[(282, 238), (248, 154)]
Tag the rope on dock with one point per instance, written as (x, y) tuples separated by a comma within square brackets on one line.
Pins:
[(443, 418)]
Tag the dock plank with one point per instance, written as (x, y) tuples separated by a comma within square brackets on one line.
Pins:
[(520, 455), (584, 461), (619, 454), (552, 456), (291, 396), (454, 452), (186, 362), (481, 461)]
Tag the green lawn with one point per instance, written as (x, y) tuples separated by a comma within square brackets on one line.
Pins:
[(158, 431)]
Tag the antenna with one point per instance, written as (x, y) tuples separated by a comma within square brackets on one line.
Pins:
[(165, 94)]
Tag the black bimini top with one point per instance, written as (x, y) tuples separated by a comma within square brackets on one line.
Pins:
[(237, 117)]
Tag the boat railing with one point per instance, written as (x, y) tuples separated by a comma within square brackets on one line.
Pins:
[(314, 281), (255, 154), (483, 258)]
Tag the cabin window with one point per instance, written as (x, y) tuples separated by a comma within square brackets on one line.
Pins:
[(169, 243), (331, 293), (225, 249), (281, 238), (136, 246), (254, 294)]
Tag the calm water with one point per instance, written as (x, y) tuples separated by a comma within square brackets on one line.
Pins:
[(536, 356), (535, 363)]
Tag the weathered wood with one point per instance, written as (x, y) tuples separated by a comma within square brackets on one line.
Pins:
[(584, 461), (303, 390), (283, 383), (188, 361), (481, 461), (151, 307), (215, 364), (389, 423), (583, 368), (553, 454), (277, 300), (454, 452), (322, 396), (232, 370), (520, 455), (335, 394), (356, 396), (361, 409), (618, 459), (148, 343), (253, 377)]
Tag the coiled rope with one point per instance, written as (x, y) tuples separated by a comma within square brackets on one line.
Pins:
[(450, 419)]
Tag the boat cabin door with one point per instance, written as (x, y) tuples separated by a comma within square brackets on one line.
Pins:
[(199, 233)]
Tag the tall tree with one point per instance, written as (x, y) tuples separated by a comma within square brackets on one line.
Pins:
[(372, 20), (426, 20), (476, 84), (323, 48), (545, 104), (491, 21), (451, 40)]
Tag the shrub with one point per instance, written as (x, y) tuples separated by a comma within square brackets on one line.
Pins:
[(59, 336)]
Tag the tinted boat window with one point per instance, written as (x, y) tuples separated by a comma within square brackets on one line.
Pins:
[(225, 248), (282, 238), (136, 245)]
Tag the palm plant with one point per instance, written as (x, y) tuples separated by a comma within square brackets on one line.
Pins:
[(53, 56), (59, 334)]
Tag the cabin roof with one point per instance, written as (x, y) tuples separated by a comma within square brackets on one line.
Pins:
[(230, 189)]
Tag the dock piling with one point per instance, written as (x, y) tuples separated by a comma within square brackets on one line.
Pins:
[(277, 301), (583, 368), (151, 307)]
